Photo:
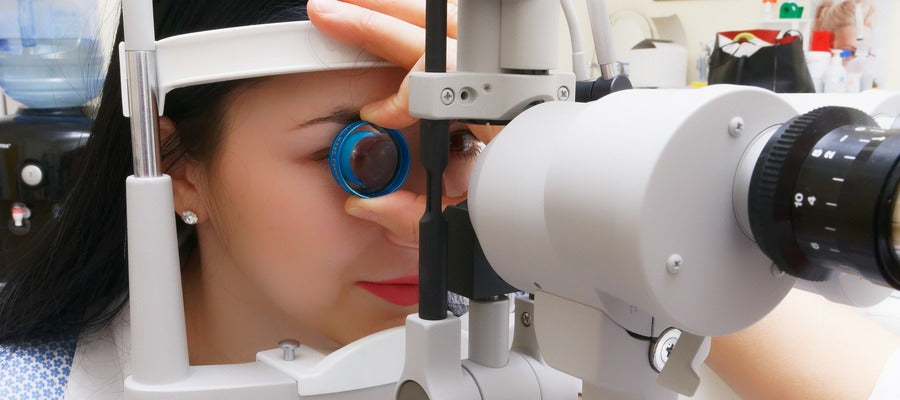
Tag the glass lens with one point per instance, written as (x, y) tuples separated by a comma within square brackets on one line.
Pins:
[(369, 161), (374, 161)]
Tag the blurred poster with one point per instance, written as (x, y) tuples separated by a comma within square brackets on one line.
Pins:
[(858, 25)]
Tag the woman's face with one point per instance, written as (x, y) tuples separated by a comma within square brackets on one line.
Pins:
[(845, 38), (277, 217)]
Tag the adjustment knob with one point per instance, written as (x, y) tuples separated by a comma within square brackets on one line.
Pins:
[(32, 175)]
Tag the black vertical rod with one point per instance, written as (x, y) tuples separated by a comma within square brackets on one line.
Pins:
[(435, 150)]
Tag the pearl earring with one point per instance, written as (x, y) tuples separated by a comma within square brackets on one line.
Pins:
[(189, 217)]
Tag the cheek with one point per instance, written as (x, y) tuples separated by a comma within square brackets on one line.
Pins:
[(286, 229)]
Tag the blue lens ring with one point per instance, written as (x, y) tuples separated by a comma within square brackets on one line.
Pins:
[(342, 148)]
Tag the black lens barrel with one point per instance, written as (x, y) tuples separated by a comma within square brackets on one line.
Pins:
[(822, 196)]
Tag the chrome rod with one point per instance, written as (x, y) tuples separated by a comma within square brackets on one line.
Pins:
[(142, 94)]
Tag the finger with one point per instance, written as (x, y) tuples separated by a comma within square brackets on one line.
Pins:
[(383, 35), (399, 213), (411, 11), (392, 111)]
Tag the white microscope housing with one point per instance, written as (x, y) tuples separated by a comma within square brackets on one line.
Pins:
[(633, 207)]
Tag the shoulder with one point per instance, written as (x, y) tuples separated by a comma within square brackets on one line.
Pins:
[(36, 369)]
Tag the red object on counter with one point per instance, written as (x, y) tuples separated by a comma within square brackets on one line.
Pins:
[(821, 41), (18, 214)]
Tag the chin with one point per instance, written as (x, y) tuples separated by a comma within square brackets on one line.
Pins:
[(398, 318), (355, 332)]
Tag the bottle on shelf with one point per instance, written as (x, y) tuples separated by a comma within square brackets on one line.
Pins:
[(836, 74), (769, 9)]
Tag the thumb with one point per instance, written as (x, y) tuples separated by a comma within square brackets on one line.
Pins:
[(398, 213)]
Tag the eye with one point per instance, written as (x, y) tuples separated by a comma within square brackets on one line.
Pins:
[(464, 144), (369, 161), (464, 150), (321, 155)]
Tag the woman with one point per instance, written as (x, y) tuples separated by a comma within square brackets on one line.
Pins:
[(272, 247)]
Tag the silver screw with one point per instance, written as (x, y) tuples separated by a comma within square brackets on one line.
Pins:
[(661, 348), (669, 346), (673, 264), (288, 346), (447, 96), (526, 319), (777, 272), (736, 126), (563, 93)]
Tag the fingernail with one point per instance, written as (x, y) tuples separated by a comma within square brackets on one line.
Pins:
[(328, 6), (362, 213), (369, 112)]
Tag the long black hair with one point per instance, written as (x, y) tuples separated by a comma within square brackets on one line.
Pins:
[(77, 276)]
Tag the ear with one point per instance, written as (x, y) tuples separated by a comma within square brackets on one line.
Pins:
[(187, 178)]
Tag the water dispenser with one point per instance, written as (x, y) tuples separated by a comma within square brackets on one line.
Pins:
[(52, 63)]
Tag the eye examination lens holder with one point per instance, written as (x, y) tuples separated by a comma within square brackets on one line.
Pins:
[(345, 147)]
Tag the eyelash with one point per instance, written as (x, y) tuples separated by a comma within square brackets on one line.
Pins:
[(469, 140), (321, 155)]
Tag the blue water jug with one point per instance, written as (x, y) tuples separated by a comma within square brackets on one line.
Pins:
[(50, 57)]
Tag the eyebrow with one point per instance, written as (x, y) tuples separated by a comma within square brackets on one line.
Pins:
[(340, 115)]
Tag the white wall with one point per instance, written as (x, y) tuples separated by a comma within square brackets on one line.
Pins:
[(701, 19), (10, 106), (892, 77), (4, 109)]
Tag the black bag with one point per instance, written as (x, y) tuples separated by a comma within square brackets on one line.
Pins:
[(778, 63)]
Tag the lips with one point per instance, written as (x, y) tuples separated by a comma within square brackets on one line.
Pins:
[(402, 291)]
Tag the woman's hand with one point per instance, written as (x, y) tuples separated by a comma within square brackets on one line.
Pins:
[(391, 29), (395, 31)]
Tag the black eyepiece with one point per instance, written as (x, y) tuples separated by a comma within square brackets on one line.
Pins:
[(823, 197)]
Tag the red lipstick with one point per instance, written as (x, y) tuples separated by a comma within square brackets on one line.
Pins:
[(403, 291)]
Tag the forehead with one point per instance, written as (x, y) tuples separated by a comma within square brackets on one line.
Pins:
[(280, 103), (281, 100), (312, 94)]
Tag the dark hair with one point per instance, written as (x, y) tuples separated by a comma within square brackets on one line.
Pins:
[(77, 276)]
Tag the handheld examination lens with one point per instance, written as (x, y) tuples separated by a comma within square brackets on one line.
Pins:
[(823, 197), (368, 161)]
